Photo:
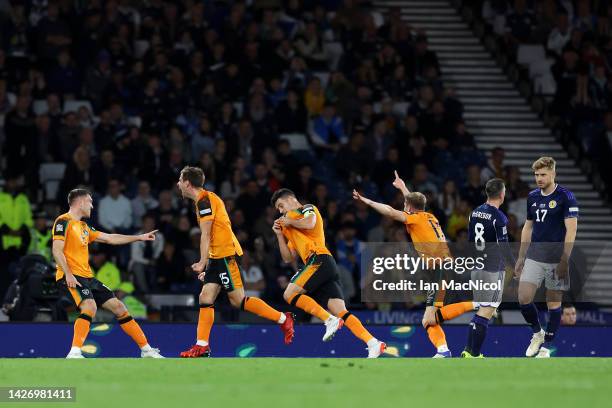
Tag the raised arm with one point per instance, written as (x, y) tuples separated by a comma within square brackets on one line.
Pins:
[(400, 185), (383, 209)]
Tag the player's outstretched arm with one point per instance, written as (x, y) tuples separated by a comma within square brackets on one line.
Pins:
[(400, 185), (120, 239), (58, 254), (383, 209), (287, 253)]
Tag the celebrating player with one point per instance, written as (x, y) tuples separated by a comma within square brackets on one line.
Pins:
[(488, 233), (552, 221), (429, 240), (71, 239), (300, 233), (219, 266)]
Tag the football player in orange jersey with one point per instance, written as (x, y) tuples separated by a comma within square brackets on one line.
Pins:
[(429, 240), (219, 265), (300, 233), (71, 239)]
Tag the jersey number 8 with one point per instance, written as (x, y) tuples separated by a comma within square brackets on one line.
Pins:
[(479, 238)]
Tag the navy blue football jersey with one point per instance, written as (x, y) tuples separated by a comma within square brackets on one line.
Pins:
[(548, 213), (488, 232)]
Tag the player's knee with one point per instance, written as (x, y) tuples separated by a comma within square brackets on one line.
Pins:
[(205, 298), (120, 309), (486, 312), (89, 306), (236, 301), (524, 298), (288, 295)]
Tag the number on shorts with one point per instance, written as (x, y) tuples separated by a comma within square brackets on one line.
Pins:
[(225, 280)]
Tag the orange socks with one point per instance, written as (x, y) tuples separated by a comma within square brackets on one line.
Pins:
[(132, 329), (451, 311), (436, 335), (205, 322), (354, 324), (309, 305), (81, 328), (260, 308)]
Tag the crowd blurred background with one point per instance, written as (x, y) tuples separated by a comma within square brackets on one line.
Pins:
[(316, 96)]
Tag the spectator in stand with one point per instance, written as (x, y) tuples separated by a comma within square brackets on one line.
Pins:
[(254, 282), (423, 180), (473, 190), (327, 131), (115, 211), (495, 165), (144, 256), (568, 316), (560, 35), (314, 97), (142, 204)]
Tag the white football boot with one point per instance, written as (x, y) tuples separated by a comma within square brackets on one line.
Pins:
[(332, 325), (536, 342)]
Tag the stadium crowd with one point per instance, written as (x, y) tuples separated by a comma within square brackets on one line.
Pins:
[(577, 38), (229, 87)]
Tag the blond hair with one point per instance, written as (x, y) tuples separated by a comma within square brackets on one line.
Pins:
[(544, 162), (416, 200)]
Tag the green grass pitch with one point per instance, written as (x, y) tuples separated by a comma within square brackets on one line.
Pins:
[(273, 382)]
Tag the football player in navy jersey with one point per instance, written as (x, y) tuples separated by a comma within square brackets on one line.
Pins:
[(552, 221), (489, 235)]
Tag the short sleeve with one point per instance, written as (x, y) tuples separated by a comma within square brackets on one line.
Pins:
[(59, 229), (571, 206), (93, 234), (410, 218), (501, 229), (204, 209), (308, 210)]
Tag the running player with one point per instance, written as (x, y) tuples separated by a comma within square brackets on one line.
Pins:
[(219, 266), (429, 240), (488, 233), (552, 221), (71, 239), (300, 233)]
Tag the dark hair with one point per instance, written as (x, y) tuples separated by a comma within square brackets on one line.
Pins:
[(567, 306), (278, 194), (494, 188), (76, 193), (194, 175)]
